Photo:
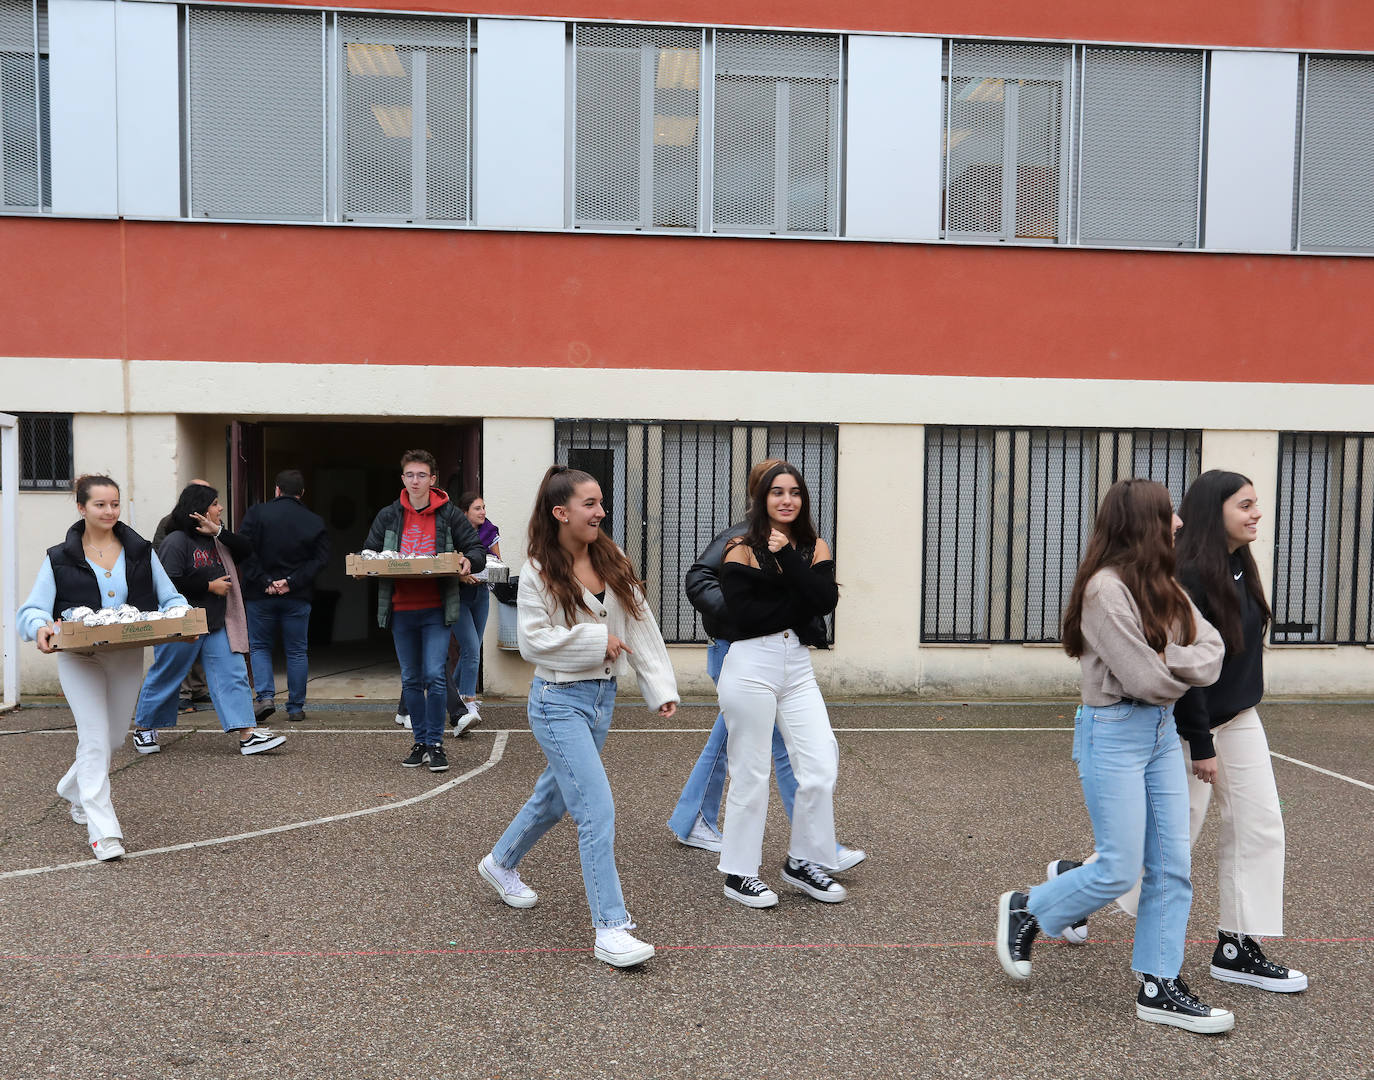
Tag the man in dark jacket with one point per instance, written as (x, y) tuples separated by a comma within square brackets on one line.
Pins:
[(290, 548)]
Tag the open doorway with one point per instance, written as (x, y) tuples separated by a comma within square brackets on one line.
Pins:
[(352, 469)]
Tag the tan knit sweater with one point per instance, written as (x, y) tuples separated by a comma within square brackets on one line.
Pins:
[(1119, 663)]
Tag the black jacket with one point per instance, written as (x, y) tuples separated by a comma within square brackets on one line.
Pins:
[(796, 596), (77, 584), (288, 541), (192, 562), (702, 584), (1240, 685)]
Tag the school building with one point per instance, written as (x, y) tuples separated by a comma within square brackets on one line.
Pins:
[(965, 264)]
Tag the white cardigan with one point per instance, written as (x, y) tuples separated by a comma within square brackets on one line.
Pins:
[(562, 653)]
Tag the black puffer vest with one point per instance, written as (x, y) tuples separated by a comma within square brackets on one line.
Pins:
[(77, 584)]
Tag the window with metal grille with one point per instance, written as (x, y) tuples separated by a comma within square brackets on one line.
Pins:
[(1324, 540), (1335, 192), (256, 116), (1139, 165), (405, 118), (777, 125), (45, 452), (1037, 135), (1008, 512), (637, 127), (670, 486), (25, 138)]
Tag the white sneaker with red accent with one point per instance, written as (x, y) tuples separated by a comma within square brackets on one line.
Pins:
[(107, 848)]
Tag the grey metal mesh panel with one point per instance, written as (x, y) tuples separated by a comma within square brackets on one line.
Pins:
[(256, 113), (776, 131), (637, 127), (1004, 148), (698, 463), (19, 128), (1141, 146), (1338, 154), (45, 452), (405, 118)]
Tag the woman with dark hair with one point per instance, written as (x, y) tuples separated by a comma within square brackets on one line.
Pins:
[(101, 563), (475, 603), (779, 584), (583, 619), (1224, 745), (200, 556), (1141, 644)]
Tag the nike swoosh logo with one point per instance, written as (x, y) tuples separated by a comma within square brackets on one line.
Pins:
[(1238, 575)]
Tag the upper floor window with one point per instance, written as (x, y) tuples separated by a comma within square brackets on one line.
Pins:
[(1335, 182), (1063, 144), (25, 143)]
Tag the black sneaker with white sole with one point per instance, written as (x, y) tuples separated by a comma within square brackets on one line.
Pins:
[(749, 891), (811, 879), (1016, 929), (261, 739), (1077, 933), (416, 757), (438, 760), (1169, 1001), (1239, 959)]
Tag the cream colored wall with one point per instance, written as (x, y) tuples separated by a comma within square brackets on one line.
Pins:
[(879, 517)]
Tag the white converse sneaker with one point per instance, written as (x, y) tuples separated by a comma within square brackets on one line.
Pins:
[(78, 813), (402, 720), (701, 836), (846, 858), (620, 948), (512, 891), (107, 848)]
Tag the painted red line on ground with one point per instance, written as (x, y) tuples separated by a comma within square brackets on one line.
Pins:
[(307, 954)]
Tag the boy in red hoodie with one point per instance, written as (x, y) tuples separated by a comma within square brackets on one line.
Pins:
[(420, 610)]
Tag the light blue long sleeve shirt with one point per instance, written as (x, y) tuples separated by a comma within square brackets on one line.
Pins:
[(36, 611)]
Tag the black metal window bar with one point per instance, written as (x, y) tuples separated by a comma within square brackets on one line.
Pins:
[(1324, 539), (45, 452), (1008, 512), (670, 486)]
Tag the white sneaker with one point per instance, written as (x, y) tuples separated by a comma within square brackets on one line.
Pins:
[(107, 848), (261, 739), (145, 741), (702, 836), (512, 891), (620, 948), (846, 857), (472, 716), (402, 720), (1077, 934), (78, 813)]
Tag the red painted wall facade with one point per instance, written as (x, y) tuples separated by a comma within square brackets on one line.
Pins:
[(281, 293)]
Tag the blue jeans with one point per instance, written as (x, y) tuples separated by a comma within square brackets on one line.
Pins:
[(421, 640), (570, 722), (1134, 782), (226, 676), (706, 783), (291, 616), (472, 621)]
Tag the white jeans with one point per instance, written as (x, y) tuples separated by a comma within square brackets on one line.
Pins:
[(102, 689), (1250, 844), (766, 680)]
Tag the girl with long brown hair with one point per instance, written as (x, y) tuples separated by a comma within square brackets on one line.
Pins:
[(583, 620), (1141, 644)]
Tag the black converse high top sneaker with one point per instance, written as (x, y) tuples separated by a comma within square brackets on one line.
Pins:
[(1167, 1001), (1238, 959), (1016, 929)]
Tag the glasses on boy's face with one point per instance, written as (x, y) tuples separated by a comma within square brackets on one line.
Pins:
[(415, 475)]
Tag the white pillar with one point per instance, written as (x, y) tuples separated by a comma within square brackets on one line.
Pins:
[(9, 556)]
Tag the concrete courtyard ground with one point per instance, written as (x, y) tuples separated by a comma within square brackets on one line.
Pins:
[(315, 912)]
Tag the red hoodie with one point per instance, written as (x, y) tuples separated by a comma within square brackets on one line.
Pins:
[(417, 538)]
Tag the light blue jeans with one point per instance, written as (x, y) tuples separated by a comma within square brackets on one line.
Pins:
[(1136, 788), (570, 722), (475, 601), (226, 676), (705, 785)]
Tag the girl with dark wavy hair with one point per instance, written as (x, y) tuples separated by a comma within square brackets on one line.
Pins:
[(1141, 645), (583, 620)]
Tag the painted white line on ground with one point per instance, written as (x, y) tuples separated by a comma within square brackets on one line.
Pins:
[(498, 749), (1324, 772), (296, 732)]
